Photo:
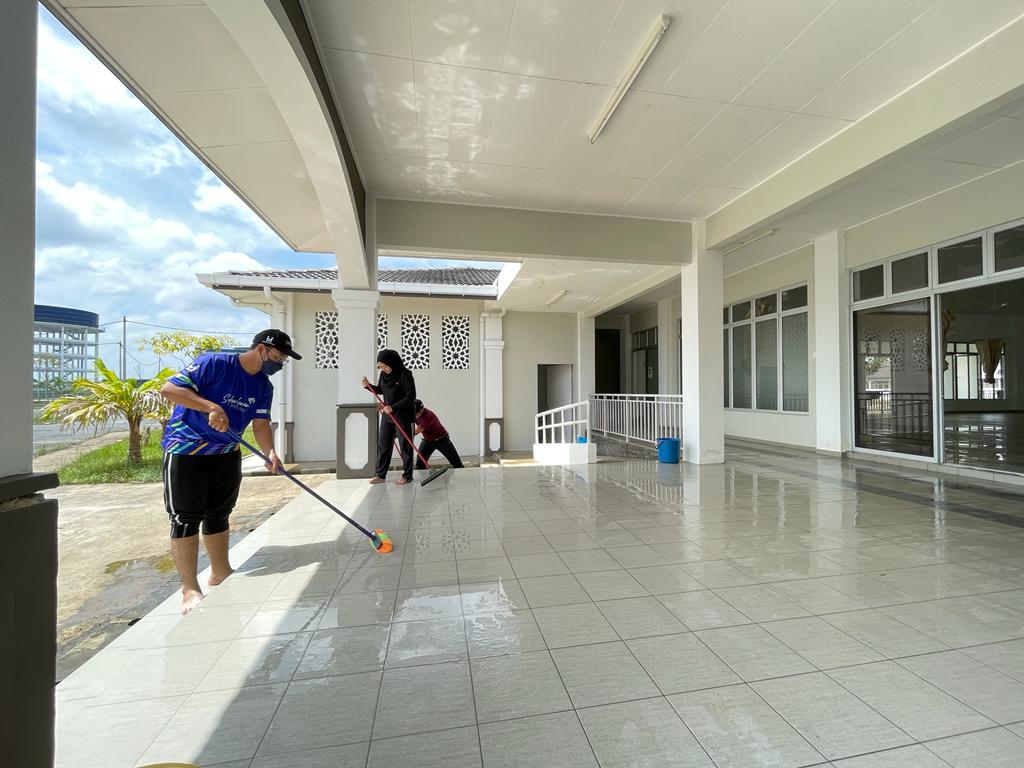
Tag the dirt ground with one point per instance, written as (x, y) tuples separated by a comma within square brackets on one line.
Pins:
[(114, 556)]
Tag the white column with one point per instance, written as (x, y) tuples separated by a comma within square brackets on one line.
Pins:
[(357, 356), (17, 222), (667, 349), (702, 297), (492, 382), (586, 371), (831, 308)]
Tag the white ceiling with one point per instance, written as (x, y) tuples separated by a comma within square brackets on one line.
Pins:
[(586, 284), (490, 101)]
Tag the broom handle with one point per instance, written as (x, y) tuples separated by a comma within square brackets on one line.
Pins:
[(301, 484), (399, 427)]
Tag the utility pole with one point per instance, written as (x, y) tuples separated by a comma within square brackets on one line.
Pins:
[(124, 346)]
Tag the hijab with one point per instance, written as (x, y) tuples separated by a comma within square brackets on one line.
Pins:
[(393, 360)]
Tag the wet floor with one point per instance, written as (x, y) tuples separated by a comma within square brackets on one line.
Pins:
[(774, 611)]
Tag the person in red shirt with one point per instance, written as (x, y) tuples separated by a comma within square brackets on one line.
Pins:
[(435, 438)]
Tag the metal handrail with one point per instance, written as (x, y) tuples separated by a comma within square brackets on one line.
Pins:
[(637, 417), (547, 423)]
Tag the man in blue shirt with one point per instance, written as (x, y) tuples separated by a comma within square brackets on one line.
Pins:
[(216, 396)]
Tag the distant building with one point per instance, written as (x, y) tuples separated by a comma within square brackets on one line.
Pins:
[(65, 348)]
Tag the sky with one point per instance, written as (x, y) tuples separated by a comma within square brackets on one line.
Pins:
[(126, 215)]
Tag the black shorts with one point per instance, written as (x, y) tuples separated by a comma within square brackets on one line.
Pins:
[(201, 491)]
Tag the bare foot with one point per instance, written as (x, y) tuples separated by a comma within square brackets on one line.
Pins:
[(402, 481), (190, 598), (375, 480), (215, 579)]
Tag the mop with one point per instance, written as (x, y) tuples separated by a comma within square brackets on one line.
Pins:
[(434, 473), (380, 540)]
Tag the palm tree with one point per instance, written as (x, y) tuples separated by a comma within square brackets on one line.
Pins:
[(97, 402)]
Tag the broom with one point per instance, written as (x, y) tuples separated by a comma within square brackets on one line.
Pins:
[(434, 473), (380, 540)]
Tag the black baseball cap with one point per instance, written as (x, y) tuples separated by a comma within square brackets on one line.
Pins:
[(279, 340)]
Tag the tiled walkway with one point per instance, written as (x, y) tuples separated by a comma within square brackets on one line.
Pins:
[(768, 612)]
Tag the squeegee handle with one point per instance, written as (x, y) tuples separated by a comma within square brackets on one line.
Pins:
[(399, 427), (301, 484)]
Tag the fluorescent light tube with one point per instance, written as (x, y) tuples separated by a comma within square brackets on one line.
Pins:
[(555, 298), (653, 38)]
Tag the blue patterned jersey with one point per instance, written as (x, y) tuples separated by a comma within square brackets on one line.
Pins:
[(220, 379)]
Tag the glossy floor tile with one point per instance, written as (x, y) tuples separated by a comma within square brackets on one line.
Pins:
[(771, 611)]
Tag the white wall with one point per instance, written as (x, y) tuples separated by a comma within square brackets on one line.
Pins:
[(791, 428), (531, 339), (453, 395)]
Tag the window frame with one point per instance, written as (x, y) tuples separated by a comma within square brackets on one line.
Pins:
[(752, 321)]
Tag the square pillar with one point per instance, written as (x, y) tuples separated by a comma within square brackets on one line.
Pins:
[(357, 357), (702, 298), (668, 350), (585, 354), (831, 308), (28, 521), (492, 430)]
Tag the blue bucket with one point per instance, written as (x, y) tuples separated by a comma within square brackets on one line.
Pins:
[(581, 438), (668, 450)]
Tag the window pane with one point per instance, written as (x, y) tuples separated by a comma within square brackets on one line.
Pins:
[(741, 311), (766, 305), (741, 367), (767, 365), (910, 273), (725, 358), (893, 369), (795, 390), (1009, 248), (960, 261), (794, 298), (725, 316), (869, 283)]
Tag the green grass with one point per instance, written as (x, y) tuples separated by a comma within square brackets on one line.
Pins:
[(109, 464)]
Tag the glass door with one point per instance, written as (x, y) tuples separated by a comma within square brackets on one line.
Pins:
[(893, 378)]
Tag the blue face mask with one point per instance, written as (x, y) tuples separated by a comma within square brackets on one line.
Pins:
[(270, 367)]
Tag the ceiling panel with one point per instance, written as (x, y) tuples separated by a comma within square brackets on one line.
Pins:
[(690, 19), (381, 26), (469, 33), (396, 176), (730, 134), (797, 135), (753, 32), (216, 118), (994, 145), (657, 199), (377, 92), (941, 33), (571, 148), (500, 184), (841, 37), (579, 26), (149, 42), (454, 107), (559, 190), (667, 125), (528, 111), (705, 200), (607, 194)]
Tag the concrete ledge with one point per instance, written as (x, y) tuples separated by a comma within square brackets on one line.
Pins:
[(565, 453), (17, 486), (750, 442)]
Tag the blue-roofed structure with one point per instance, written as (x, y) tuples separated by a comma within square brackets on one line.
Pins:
[(65, 345)]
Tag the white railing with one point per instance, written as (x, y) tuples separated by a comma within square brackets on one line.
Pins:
[(637, 418), (565, 424)]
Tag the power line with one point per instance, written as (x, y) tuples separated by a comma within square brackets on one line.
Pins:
[(174, 328)]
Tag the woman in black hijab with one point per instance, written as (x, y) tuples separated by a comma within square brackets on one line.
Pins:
[(397, 388)]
